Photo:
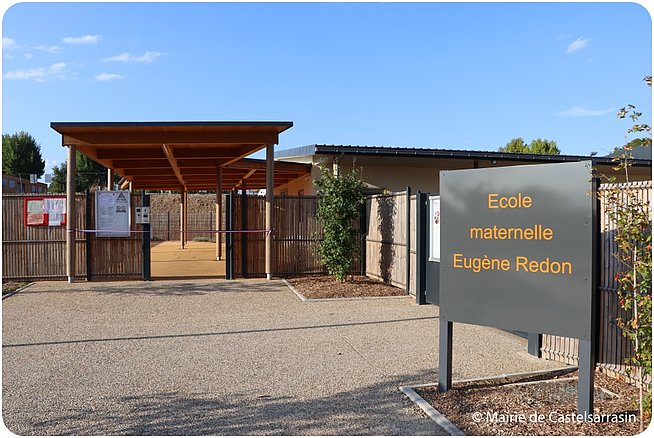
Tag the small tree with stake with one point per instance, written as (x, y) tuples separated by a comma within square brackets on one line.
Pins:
[(339, 200)]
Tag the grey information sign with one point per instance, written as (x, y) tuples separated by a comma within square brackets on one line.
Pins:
[(516, 248)]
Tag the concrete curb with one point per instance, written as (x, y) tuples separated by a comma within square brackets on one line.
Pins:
[(439, 418), (442, 420), (17, 290), (303, 298), (299, 295)]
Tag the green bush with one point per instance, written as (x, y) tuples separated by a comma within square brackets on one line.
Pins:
[(339, 200)]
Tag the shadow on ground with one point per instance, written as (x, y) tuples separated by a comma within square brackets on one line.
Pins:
[(379, 409), (182, 288)]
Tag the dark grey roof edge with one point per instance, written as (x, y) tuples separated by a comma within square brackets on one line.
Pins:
[(453, 153), (55, 125)]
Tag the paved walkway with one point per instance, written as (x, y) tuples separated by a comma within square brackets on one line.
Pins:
[(217, 357)]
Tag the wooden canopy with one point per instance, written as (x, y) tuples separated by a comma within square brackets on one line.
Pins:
[(181, 155)]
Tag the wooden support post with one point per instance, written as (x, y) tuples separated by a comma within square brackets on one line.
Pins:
[(71, 213), (270, 193), (181, 218), (110, 179), (244, 227), (219, 212), (185, 216)]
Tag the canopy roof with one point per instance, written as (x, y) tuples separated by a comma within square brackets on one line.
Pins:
[(172, 155)]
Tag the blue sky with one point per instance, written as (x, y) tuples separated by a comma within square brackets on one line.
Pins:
[(454, 76)]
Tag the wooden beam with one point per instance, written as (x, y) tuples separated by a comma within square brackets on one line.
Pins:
[(169, 137), (131, 153), (205, 152), (141, 164), (173, 164), (148, 172), (244, 152), (247, 175)]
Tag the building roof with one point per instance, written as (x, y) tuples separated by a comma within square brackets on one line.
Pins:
[(172, 155), (408, 152)]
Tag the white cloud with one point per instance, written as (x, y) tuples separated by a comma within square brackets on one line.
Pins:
[(36, 74), (146, 58), (50, 49), (86, 39), (579, 111), (8, 43), (578, 44), (108, 77)]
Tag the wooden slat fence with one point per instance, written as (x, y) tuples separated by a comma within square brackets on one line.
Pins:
[(296, 236), (386, 239), (39, 253), (613, 347)]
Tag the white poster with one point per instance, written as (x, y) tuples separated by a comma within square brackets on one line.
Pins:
[(112, 213), (435, 228), (55, 208)]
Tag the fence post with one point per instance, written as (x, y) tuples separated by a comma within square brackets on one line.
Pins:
[(168, 223), (87, 242), (421, 247), (408, 239), (244, 226)]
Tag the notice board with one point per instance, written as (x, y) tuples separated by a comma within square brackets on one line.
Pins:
[(44, 211), (517, 248), (112, 213), (434, 228)]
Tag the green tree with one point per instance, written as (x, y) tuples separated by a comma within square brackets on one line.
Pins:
[(339, 200), (89, 175), (537, 146), (516, 145), (21, 155), (543, 147)]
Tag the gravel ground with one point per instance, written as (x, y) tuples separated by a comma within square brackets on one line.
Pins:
[(355, 286), (543, 407), (198, 357)]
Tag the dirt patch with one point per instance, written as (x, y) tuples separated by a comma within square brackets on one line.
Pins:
[(354, 287), (11, 286), (538, 408)]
